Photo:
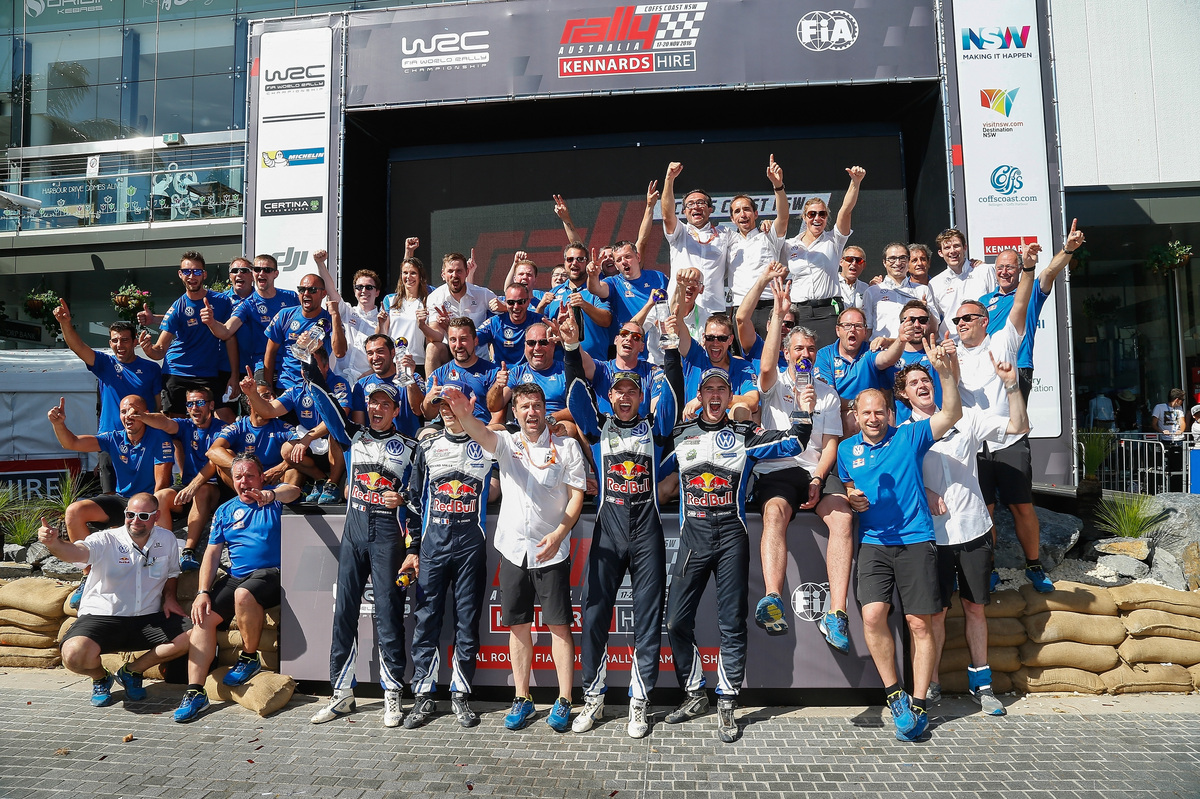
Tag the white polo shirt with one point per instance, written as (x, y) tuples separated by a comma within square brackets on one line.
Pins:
[(950, 469), (358, 325), (402, 324), (852, 295), (534, 499), (125, 580), (981, 386), (951, 290), (748, 257), (814, 268), (473, 305), (777, 405), (883, 302), (706, 249)]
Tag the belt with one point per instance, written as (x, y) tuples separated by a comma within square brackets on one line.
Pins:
[(825, 303)]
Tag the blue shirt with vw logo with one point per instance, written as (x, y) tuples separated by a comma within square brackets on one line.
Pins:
[(250, 532), (999, 306), (264, 442), (118, 380), (408, 421), (134, 463), (889, 473), (849, 376), (284, 329), (256, 314), (474, 379), (196, 351), (243, 333), (596, 338), (507, 338), (196, 441), (553, 382)]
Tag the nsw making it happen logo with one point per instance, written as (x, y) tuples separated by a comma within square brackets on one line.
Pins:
[(821, 31), (992, 42)]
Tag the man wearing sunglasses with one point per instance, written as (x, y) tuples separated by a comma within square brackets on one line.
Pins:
[(696, 244), (241, 286), (883, 301), (537, 366), (255, 314), (850, 287), (1005, 468), (812, 257), (628, 292), (192, 354), (279, 363), (577, 297), (713, 352), (129, 604), (751, 249), (917, 324), (963, 278), (505, 333), (455, 298), (630, 344)]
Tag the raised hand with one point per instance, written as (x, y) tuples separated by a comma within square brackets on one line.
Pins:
[(673, 170), (652, 193), (502, 374), (1005, 370), (560, 208), (520, 255), (856, 173), (782, 291), (321, 257), (206, 313), (808, 398), (145, 316), (1075, 238), (382, 318), (58, 413), (412, 243), (62, 313), (775, 173), (46, 533), (247, 383)]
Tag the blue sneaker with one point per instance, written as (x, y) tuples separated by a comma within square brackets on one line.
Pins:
[(902, 712), (1037, 576), (920, 726), (521, 713), (188, 562), (770, 614), (102, 690), (835, 626), (560, 715), (192, 705), (243, 670), (77, 594), (993, 582), (329, 494), (133, 684), (314, 496)]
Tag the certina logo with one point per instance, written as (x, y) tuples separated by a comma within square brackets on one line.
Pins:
[(820, 31), (991, 42), (643, 39), (277, 158), (809, 600), (291, 205), (292, 79), (35, 8), (1007, 183), (445, 51)]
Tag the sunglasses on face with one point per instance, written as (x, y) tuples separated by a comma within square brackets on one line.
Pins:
[(633, 334), (853, 259), (968, 317), (709, 338), (258, 270), (537, 342), (512, 303), (240, 270), (576, 258), (788, 325), (920, 320), (309, 290), (817, 214), (196, 403), (141, 516), (191, 272), (365, 287)]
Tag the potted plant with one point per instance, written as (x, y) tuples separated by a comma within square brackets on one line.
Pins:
[(40, 305), (1165, 258), (1097, 444), (128, 300)]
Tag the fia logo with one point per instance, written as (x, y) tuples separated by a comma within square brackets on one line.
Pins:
[(810, 601)]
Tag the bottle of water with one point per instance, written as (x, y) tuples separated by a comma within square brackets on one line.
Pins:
[(662, 312), (802, 378), (403, 379)]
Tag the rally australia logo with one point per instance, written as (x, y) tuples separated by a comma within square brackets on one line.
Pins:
[(643, 39), (445, 51)]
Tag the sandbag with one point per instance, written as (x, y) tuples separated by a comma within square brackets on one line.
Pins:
[(1195, 672), (37, 595), (65, 626), (1000, 658), (115, 660), (270, 622), (15, 636), (1003, 605), (29, 657), (1138, 596), (1160, 649), (1035, 680), (1089, 657), (955, 682), (264, 694), (11, 617), (1001, 632), (229, 656), (186, 586), (67, 609), (1147, 677), (1073, 597), (232, 639), (1160, 622), (1061, 625)]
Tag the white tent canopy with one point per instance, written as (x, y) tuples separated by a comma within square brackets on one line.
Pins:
[(30, 382)]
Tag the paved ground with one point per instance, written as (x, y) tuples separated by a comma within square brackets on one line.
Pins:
[(1065, 747)]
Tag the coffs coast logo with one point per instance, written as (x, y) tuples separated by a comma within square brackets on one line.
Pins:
[(1007, 182), (643, 39), (445, 51)]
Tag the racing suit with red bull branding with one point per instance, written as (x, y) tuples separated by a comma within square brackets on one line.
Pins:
[(449, 491), (628, 535), (373, 540), (715, 461)]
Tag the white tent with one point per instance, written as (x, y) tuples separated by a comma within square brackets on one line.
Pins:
[(30, 382)]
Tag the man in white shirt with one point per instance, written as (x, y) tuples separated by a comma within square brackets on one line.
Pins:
[(752, 249), (918, 264), (455, 298), (696, 243), (129, 601), (850, 287), (883, 301), (961, 280), (1170, 422), (543, 479)]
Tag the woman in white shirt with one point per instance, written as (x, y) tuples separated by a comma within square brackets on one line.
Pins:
[(404, 315)]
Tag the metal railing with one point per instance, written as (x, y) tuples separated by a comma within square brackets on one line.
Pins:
[(1146, 463)]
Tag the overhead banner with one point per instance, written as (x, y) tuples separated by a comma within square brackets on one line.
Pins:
[(454, 53), (1007, 193)]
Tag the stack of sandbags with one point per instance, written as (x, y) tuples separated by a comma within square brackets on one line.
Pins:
[(264, 693), (1164, 640), (1005, 634), (229, 642), (1073, 635), (31, 615)]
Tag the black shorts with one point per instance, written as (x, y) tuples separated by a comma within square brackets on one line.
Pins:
[(969, 564), (791, 485), (114, 505), (129, 633), (175, 389), (1006, 474), (262, 584), (550, 586), (911, 568)]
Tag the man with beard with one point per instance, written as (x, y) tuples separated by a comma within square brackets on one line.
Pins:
[(505, 333), (628, 292), (577, 297), (256, 313), (457, 297), (381, 357), (537, 366), (472, 374), (279, 362)]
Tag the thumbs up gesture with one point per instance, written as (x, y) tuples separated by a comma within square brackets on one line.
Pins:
[(206, 313), (502, 374), (145, 316), (58, 413)]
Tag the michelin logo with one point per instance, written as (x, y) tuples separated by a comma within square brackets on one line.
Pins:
[(274, 158)]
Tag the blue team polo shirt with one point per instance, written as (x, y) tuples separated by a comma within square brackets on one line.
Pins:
[(696, 362), (507, 338), (602, 383), (476, 379), (407, 421), (134, 463), (754, 354), (196, 351), (118, 380), (297, 399), (553, 382), (196, 442), (848, 378), (1000, 306), (250, 532), (243, 336), (889, 473), (284, 329), (257, 314), (626, 298), (596, 339), (266, 442)]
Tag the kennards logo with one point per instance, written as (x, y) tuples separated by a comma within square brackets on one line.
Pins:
[(636, 39), (445, 51)]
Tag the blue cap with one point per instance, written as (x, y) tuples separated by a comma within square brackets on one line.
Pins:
[(385, 388), (715, 372), (632, 377)]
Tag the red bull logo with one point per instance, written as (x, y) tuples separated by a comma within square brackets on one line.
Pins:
[(456, 490), (709, 484), (628, 477), (369, 487)]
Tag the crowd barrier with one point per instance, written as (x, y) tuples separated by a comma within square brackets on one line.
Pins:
[(1146, 463)]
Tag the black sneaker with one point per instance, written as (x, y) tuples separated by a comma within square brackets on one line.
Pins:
[(695, 705), (423, 707), (462, 710)]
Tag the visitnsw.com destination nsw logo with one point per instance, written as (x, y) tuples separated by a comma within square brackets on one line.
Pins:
[(643, 39), (1001, 101)]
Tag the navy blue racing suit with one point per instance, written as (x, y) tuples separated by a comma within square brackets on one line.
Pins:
[(715, 461)]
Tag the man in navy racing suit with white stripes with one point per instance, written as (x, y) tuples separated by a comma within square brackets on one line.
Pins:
[(715, 457), (628, 536), (379, 460)]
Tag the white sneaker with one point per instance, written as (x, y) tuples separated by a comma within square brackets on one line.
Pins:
[(593, 711), (392, 710), (638, 726), (341, 704)]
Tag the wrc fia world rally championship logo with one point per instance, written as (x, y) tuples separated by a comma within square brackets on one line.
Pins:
[(645, 39)]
